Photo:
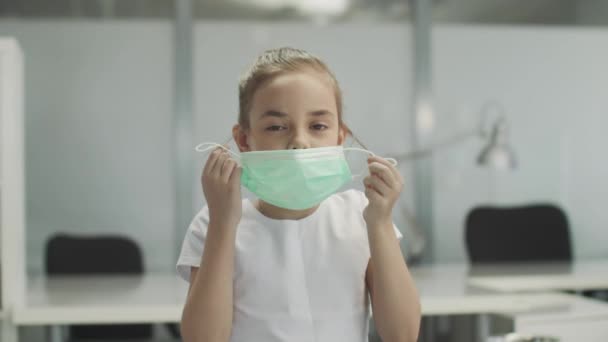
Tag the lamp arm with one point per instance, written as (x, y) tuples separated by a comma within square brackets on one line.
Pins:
[(416, 242), (416, 154)]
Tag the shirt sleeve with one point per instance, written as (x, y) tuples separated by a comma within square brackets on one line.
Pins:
[(193, 245), (364, 201)]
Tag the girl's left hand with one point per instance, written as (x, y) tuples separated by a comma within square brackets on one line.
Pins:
[(382, 188)]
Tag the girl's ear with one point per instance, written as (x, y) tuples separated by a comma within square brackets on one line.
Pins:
[(342, 132), (239, 134)]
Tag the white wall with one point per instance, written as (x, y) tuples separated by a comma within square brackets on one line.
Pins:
[(553, 83), (98, 117), (98, 112)]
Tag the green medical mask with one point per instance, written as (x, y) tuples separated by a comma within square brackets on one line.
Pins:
[(293, 179)]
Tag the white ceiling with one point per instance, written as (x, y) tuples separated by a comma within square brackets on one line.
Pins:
[(594, 12)]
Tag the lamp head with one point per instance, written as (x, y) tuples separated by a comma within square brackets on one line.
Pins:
[(497, 153)]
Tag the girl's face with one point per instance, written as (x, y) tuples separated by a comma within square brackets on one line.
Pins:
[(294, 110)]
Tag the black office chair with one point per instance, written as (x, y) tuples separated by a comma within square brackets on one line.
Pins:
[(71, 255), (531, 233)]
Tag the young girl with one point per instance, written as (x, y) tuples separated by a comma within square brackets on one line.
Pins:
[(302, 262)]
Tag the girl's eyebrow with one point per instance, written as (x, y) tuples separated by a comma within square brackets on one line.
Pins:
[(320, 112), (273, 113), (279, 114)]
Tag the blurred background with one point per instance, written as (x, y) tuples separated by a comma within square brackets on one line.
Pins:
[(118, 93)]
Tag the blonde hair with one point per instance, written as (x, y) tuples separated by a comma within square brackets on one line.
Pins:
[(274, 62)]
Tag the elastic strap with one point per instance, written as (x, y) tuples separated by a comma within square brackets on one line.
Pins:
[(391, 160), (204, 147)]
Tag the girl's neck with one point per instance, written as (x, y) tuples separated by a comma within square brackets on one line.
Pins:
[(278, 213)]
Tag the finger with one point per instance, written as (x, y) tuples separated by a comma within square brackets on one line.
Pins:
[(227, 168), (217, 168), (390, 166), (392, 176), (372, 194), (377, 184), (212, 160), (235, 177), (384, 173)]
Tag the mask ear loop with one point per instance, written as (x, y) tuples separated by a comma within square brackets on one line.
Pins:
[(391, 160), (204, 147)]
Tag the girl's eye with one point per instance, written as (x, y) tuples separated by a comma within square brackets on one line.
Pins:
[(275, 128), (319, 127)]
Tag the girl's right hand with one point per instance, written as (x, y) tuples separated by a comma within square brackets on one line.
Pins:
[(221, 180)]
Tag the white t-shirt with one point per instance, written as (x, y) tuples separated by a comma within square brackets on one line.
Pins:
[(296, 280)]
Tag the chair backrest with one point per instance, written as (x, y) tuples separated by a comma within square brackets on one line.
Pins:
[(531, 233), (77, 255)]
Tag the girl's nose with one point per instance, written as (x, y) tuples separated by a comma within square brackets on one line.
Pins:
[(298, 141)]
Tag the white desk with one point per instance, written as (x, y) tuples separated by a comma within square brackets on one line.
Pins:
[(156, 298), (579, 275), (581, 319), (104, 299), (443, 290), (454, 289)]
